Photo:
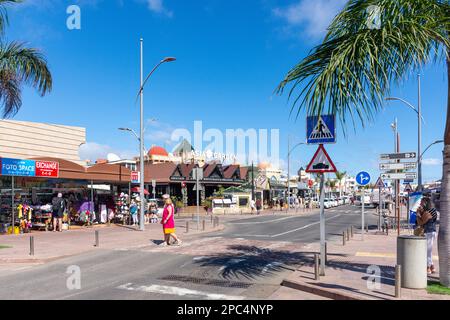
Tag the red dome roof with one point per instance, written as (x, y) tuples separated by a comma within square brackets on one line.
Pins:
[(158, 151)]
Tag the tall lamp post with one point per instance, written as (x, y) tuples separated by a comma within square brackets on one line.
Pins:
[(418, 110), (134, 133), (141, 138), (289, 168)]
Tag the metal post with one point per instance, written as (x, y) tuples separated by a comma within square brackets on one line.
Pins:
[(398, 281), (97, 238), (203, 225), (12, 205), (326, 252), (288, 174), (348, 234), (362, 213), (31, 246), (212, 218), (379, 209), (198, 198), (322, 225), (343, 238), (419, 136), (397, 196), (187, 226), (141, 141), (316, 267), (351, 230)]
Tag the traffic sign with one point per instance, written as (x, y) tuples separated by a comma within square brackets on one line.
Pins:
[(321, 129), (398, 166), (135, 177), (321, 162), (380, 184), (399, 176), (363, 178), (408, 188), (398, 156)]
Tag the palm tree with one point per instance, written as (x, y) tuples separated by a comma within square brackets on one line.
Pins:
[(19, 65), (352, 70), (339, 176)]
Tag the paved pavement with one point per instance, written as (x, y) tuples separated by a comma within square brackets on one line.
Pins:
[(247, 260)]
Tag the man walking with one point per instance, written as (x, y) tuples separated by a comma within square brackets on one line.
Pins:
[(58, 207)]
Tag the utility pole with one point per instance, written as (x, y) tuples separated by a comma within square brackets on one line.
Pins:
[(253, 181), (419, 136), (141, 141), (288, 174)]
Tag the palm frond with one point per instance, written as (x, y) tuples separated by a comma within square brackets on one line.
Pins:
[(28, 66), (352, 70), (3, 14)]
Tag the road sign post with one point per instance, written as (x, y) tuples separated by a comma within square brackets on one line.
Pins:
[(380, 185), (321, 163), (363, 179), (198, 174)]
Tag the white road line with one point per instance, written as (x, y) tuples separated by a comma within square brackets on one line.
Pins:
[(263, 222), (178, 291), (304, 227)]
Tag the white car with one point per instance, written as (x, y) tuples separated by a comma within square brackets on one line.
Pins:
[(327, 203)]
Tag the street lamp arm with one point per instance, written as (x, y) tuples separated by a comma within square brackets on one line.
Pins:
[(426, 149), (406, 103), (292, 149)]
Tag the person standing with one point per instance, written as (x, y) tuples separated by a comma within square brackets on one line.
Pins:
[(258, 206), (252, 205), (58, 208), (168, 222), (134, 212), (427, 218)]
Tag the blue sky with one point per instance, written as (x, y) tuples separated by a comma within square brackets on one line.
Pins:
[(231, 55)]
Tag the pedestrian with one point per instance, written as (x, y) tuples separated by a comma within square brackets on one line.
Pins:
[(134, 212), (252, 205), (427, 219), (168, 222), (281, 204), (58, 209), (258, 206)]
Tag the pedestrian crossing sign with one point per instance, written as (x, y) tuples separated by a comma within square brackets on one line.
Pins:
[(321, 162), (321, 129), (380, 184)]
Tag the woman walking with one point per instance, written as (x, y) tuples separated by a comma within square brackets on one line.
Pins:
[(168, 222), (134, 212), (427, 218)]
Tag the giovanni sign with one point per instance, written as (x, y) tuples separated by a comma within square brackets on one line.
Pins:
[(29, 168)]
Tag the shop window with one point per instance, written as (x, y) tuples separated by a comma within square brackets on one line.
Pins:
[(243, 201)]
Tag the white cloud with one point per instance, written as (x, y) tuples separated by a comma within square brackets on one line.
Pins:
[(309, 17), (432, 162), (94, 151), (157, 6)]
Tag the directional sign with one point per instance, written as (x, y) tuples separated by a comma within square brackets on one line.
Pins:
[(398, 166), (398, 156), (379, 184), (399, 176), (363, 178), (321, 162), (321, 129)]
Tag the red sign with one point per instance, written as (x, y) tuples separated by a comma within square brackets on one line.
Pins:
[(310, 183), (135, 177), (321, 162), (47, 169)]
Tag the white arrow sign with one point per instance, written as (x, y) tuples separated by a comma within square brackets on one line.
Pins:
[(398, 156), (399, 176), (398, 166)]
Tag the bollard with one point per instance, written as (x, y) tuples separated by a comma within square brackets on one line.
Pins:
[(398, 281), (212, 218), (326, 253), (351, 230), (96, 238), (217, 223), (192, 216), (316, 267), (367, 228), (31, 246), (343, 238), (348, 234), (203, 225), (187, 226)]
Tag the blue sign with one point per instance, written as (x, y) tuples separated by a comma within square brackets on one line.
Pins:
[(321, 129), (19, 168), (363, 178)]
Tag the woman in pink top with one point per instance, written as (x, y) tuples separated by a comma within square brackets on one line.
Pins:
[(168, 223)]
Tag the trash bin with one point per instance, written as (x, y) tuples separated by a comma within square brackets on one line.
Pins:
[(412, 256)]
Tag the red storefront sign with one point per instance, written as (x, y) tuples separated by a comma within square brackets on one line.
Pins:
[(47, 169), (135, 177)]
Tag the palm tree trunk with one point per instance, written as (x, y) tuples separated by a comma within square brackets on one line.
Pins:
[(444, 232)]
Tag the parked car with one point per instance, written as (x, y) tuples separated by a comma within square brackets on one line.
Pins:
[(327, 203), (367, 200)]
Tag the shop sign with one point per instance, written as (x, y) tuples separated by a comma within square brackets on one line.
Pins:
[(135, 177), (47, 169)]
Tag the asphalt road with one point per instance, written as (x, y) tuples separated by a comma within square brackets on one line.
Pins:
[(247, 260)]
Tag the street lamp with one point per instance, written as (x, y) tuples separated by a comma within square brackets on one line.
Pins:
[(289, 168), (418, 110), (431, 144), (141, 138)]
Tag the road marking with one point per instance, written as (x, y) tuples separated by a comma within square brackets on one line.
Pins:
[(263, 222), (304, 227), (178, 291)]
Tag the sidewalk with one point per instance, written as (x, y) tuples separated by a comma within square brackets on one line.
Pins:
[(50, 246), (346, 275)]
